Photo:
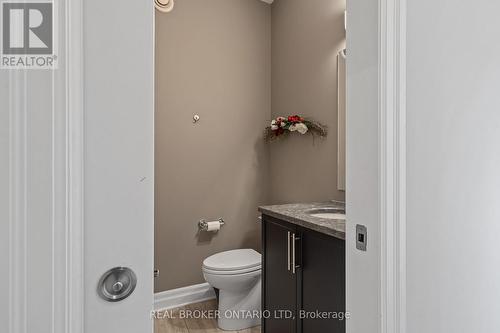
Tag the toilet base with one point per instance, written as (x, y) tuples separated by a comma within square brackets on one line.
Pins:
[(240, 310)]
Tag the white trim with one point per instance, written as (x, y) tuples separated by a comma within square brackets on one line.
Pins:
[(18, 201), (74, 164), (64, 295), (392, 158), (175, 298)]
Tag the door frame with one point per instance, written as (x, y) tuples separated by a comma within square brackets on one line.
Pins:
[(75, 159), (65, 187), (392, 164)]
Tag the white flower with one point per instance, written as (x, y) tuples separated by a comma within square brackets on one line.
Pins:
[(274, 127), (283, 124), (301, 128), (292, 128), (273, 122)]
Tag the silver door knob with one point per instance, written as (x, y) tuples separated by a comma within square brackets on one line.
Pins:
[(117, 284)]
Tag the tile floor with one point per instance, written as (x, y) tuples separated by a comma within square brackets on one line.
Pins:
[(174, 324)]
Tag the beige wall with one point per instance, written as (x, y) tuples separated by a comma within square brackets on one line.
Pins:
[(306, 38), (212, 59)]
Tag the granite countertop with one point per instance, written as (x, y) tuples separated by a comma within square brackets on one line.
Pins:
[(297, 214)]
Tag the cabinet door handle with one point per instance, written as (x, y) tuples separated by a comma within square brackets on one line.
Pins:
[(294, 266), (288, 249)]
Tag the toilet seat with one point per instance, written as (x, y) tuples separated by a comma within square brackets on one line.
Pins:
[(235, 272), (233, 262)]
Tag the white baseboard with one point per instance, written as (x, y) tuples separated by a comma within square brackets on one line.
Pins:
[(175, 298)]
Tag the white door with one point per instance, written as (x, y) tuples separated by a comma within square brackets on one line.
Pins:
[(376, 166), (76, 166), (119, 158), (362, 167)]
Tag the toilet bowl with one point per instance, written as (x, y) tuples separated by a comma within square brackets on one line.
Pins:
[(237, 276)]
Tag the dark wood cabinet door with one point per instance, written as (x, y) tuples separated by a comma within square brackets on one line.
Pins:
[(323, 282), (280, 284)]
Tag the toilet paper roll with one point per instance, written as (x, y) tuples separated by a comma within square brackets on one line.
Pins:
[(213, 226)]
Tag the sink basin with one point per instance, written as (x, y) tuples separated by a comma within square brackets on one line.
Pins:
[(328, 213)]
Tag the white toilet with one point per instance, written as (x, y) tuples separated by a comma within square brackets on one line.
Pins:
[(237, 275)]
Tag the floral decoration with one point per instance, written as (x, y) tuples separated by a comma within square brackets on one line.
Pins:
[(282, 126)]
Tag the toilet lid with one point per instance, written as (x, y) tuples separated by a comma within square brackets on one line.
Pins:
[(233, 260)]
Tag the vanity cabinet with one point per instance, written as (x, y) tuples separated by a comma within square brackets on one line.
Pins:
[(280, 295), (303, 277)]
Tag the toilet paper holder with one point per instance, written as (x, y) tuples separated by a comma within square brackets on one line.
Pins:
[(203, 224)]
